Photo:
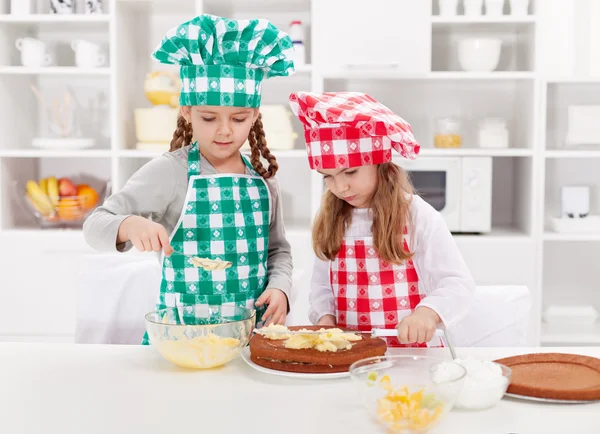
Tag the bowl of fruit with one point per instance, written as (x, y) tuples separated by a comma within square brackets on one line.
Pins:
[(63, 201)]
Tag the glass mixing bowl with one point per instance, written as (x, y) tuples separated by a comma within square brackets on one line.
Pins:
[(400, 393), (201, 336)]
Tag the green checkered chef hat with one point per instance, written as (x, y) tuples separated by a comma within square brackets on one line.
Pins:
[(223, 61)]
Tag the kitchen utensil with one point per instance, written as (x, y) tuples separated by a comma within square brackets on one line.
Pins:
[(448, 8), (479, 54), (582, 121), (63, 7), (60, 114), (554, 376), (404, 393), (494, 8), (210, 336), (376, 332), (33, 52), (448, 133), (88, 54), (519, 7), (93, 6), (493, 133), (551, 401), (485, 384), (298, 375), (473, 8), (22, 7), (205, 263), (575, 201)]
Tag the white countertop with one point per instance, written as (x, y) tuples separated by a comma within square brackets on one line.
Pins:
[(87, 389)]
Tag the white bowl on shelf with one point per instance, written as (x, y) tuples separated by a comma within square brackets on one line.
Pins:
[(580, 225), (571, 315), (479, 54)]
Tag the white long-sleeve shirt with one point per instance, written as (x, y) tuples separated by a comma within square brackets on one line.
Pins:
[(443, 274)]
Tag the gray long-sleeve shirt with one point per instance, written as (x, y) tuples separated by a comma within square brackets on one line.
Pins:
[(157, 191)]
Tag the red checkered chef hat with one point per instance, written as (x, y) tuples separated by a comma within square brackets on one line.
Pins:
[(349, 129)]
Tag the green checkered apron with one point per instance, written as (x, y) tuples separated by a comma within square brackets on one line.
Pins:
[(224, 216)]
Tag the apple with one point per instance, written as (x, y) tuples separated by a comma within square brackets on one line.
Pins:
[(66, 187)]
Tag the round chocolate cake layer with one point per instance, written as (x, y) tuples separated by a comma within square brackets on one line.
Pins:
[(554, 376), (302, 368), (275, 350)]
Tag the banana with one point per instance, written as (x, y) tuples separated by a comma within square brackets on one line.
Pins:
[(39, 199), (44, 185), (53, 190)]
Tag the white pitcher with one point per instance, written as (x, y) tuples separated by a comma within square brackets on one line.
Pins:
[(33, 52)]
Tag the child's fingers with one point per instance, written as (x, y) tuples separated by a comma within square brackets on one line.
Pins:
[(163, 237), (155, 242), (262, 299), (147, 245), (413, 334), (270, 311), (138, 244), (403, 333)]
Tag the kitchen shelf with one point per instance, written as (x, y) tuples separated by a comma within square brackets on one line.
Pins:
[(438, 20), (304, 69), (53, 70), (55, 18), (37, 153), (555, 334), (583, 236), (388, 72), (476, 152), (573, 154), (134, 153), (498, 234), (573, 80)]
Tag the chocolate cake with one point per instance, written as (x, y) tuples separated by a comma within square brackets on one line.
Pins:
[(272, 354), (554, 376)]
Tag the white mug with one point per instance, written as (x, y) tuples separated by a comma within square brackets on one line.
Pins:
[(473, 7), (62, 7), (519, 8), (21, 7), (494, 8), (33, 52), (448, 8), (87, 54)]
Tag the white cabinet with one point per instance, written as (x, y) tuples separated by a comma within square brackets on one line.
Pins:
[(379, 33), (39, 285)]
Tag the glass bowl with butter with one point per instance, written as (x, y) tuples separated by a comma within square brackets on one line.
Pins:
[(200, 336), (405, 393)]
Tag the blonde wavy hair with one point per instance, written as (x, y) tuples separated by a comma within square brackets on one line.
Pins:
[(391, 216), (256, 138)]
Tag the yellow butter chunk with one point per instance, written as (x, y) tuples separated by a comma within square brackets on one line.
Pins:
[(402, 410), (275, 332), (201, 352), (324, 340), (210, 264)]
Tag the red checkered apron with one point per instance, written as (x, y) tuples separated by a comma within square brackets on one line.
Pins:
[(371, 293)]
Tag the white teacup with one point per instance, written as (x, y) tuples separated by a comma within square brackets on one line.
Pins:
[(33, 52), (87, 54)]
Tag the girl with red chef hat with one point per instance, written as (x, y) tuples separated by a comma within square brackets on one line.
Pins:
[(385, 257)]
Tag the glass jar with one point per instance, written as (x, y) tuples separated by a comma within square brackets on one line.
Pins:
[(448, 134)]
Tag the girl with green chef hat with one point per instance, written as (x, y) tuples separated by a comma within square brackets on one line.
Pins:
[(227, 243)]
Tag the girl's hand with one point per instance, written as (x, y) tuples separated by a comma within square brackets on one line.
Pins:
[(145, 235), (327, 320), (419, 326), (277, 306)]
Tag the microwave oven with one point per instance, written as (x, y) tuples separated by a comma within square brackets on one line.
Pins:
[(460, 188)]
